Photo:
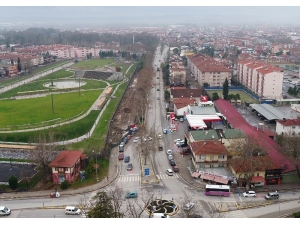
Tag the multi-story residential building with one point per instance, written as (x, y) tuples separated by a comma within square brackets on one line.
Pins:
[(263, 79), (288, 127), (209, 154), (207, 70)]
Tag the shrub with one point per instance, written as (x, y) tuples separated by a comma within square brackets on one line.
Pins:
[(13, 182), (64, 185)]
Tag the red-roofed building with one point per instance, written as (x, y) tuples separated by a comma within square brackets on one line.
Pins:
[(207, 70), (66, 166), (258, 169), (288, 127), (180, 105), (209, 154), (264, 141), (265, 80)]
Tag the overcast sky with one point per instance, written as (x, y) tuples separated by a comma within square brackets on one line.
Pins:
[(93, 16)]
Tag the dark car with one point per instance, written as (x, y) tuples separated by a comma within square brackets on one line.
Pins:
[(121, 156), (129, 166), (127, 159), (172, 162), (125, 140), (158, 89), (160, 148)]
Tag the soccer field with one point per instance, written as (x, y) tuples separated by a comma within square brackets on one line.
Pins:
[(244, 96)]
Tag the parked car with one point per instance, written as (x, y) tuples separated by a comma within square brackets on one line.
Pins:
[(177, 140), (129, 166), (189, 206), (158, 89), (249, 194), (121, 148), (169, 152), (169, 172), (136, 140), (131, 194), (159, 135), (122, 144), (180, 143), (121, 156), (175, 168), (160, 148), (165, 131), (170, 157), (172, 162), (150, 138), (181, 119), (127, 159), (125, 140)]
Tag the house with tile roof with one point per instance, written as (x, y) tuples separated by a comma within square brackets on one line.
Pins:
[(261, 170), (209, 154), (288, 127), (181, 105), (66, 166)]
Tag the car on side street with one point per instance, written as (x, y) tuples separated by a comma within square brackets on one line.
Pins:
[(172, 162), (136, 140), (189, 206), (122, 144), (169, 152), (4, 211), (170, 157), (175, 168), (121, 156), (127, 159), (169, 172), (129, 167)]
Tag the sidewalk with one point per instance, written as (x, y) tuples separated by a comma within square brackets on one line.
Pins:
[(112, 175)]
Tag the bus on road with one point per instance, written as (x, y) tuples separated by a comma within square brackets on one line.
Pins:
[(217, 190)]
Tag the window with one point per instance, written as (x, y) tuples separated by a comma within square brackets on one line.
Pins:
[(211, 158), (257, 174), (240, 175), (221, 165), (61, 170), (293, 127), (221, 157), (55, 169), (202, 166), (211, 166), (245, 175), (202, 157)]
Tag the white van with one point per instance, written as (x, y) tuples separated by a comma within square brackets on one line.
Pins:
[(4, 211), (160, 215), (72, 210)]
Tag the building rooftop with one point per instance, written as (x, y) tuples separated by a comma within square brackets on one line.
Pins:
[(201, 135)]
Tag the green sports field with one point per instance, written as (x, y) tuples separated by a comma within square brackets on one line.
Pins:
[(244, 97)]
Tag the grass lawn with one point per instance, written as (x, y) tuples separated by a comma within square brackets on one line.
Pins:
[(60, 133), (244, 96), (92, 64), (38, 70), (37, 110)]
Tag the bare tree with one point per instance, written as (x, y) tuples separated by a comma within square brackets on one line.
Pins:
[(136, 207), (290, 148)]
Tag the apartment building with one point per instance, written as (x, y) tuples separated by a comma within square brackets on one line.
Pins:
[(265, 80), (207, 70)]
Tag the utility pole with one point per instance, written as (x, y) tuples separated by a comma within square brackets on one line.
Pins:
[(52, 104)]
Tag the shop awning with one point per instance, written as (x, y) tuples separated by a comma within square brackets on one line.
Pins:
[(207, 177), (221, 180), (195, 174), (257, 179)]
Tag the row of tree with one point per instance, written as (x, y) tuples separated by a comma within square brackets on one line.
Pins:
[(42, 36)]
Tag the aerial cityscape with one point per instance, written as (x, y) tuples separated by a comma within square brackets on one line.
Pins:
[(149, 112)]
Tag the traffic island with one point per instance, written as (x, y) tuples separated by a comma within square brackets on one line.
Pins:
[(162, 206)]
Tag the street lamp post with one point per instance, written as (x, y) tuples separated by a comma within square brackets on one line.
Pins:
[(96, 167)]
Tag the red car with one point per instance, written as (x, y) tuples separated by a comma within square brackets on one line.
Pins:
[(175, 168), (121, 156)]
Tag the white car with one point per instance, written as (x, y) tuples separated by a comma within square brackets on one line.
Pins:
[(179, 143), (135, 140), (189, 206), (165, 131), (177, 140), (249, 194), (150, 138)]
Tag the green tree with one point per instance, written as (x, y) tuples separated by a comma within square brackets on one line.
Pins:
[(175, 51), (13, 182), (19, 65), (90, 169), (210, 51), (296, 214), (102, 207), (237, 97), (215, 96), (167, 95), (225, 89), (64, 185), (205, 84)]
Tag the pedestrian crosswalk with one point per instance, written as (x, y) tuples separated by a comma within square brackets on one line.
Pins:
[(135, 178), (238, 214)]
